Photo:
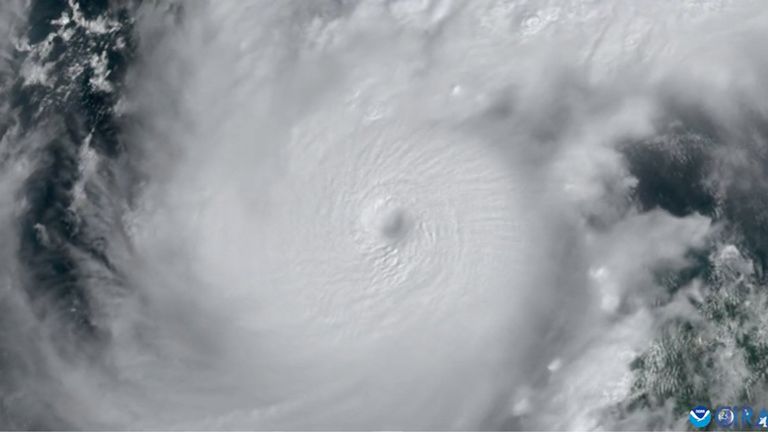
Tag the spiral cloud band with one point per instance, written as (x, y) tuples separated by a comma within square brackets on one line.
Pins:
[(395, 214)]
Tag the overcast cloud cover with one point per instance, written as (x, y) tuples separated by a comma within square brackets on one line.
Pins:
[(404, 214)]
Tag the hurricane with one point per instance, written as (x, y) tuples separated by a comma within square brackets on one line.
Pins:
[(381, 214)]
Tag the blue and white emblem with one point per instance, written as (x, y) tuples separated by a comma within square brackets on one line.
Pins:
[(700, 416)]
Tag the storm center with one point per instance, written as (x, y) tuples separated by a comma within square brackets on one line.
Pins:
[(387, 220)]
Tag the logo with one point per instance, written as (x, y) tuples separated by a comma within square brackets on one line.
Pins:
[(725, 417), (746, 416), (762, 419), (700, 416)]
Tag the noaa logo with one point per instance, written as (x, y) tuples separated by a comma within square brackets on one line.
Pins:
[(700, 416), (725, 417)]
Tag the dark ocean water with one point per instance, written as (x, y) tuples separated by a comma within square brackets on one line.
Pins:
[(61, 248)]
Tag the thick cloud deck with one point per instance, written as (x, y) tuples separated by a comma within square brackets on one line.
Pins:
[(395, 214)]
